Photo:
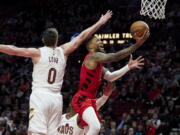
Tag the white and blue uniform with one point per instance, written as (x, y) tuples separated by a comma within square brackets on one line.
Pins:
[(69, 126)]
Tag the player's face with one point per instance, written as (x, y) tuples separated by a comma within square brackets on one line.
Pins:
[(99, 45)]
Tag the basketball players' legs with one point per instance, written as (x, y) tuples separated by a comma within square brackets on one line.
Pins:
[(37, 119), (45, 113), (54, 115), (90, 117)]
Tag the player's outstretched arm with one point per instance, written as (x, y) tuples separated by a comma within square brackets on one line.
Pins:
[(24, 52), (75, 43), (107, 90), (132, 64), (111, 57)]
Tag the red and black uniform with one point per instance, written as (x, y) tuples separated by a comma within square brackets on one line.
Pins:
[(87, 91)]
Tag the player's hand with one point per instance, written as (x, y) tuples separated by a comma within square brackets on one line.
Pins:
[(108, 88), (137, 63), (141, 40), (106, 17)]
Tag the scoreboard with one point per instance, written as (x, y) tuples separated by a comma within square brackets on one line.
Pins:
[(114, 38)]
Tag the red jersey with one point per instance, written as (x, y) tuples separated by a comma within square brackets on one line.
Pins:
[(90, 79)]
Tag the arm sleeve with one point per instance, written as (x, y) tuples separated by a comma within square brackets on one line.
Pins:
[(112, 76)]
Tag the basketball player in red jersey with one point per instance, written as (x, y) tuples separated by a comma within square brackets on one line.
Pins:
[(70, 124), (92, 71)]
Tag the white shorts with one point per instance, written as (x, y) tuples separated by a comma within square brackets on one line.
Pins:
[(45, 112)]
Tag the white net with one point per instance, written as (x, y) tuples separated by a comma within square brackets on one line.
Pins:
[(153, 8)]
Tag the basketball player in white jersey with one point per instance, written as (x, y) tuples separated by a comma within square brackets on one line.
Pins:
[(70, 124), (48, 72)]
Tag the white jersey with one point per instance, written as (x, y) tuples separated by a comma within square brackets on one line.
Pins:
[(49, 71), (69, 126)]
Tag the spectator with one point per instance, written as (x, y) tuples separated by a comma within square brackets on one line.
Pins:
[(150, 128)]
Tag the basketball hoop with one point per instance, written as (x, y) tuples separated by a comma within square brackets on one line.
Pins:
[(153, 8)]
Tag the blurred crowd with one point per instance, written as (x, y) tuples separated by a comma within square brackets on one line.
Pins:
[(145, 102)]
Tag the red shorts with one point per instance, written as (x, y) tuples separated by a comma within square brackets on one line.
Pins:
[(80, 103)]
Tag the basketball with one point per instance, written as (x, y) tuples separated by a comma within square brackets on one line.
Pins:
[(138, 28)]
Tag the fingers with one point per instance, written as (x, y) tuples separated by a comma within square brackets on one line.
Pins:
[(109, 13), (104, 18), (139, 65), (144, 36), (130, 57), (139, 61), (139, 58), (145, 33)]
